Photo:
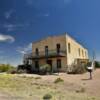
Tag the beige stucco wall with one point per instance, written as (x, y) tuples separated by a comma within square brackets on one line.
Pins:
[(63, 40), (51, 43), (74, 54), (54, 63)]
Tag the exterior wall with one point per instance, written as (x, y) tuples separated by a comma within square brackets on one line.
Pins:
[(74, 54), (54, 63), (63, 40), (51, 42)]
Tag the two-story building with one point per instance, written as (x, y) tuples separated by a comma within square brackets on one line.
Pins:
[(58, 51)]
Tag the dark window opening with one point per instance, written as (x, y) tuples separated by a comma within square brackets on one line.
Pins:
[(58, 63), (69, 48), (37, 51), (37, 64), (82, 53), (79, 51), (50, 63), (46, 50), (58, 48), (85, 54)]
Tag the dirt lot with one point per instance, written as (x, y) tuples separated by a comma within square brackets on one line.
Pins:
[(34, 87)]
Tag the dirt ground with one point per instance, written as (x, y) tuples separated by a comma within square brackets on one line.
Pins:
[(92, 86), (71, 83)]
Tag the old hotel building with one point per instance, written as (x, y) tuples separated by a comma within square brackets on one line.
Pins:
[(58, 51)]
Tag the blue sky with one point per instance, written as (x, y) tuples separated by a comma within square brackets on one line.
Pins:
[(25, 21)]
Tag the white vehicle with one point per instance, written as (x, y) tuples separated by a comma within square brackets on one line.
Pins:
[(90, 65)]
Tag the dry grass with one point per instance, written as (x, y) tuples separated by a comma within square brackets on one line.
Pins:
[(34, 87)]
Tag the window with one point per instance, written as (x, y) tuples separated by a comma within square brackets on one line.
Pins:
[(79, 51), (58, 48), (37, 51), (69, 48), (85, 54), (82, 53), (46, 50), (37, 64), (58, 63)]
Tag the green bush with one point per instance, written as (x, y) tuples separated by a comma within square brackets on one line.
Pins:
[(81, 90), (45, 69), (37, 78), (5, 67), (47, 97), (58, 80), (12, 71), (97, 64)]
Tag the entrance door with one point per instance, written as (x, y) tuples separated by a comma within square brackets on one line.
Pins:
[(50, 63), (37, 66)]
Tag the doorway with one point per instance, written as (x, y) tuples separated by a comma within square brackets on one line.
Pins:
[(37, 66), (50, 63)]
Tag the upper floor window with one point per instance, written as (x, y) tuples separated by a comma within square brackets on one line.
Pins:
[(69, 48), (85, 54), (82, 53), (46, 50), (37, 51), (79, 51), (58, 48)]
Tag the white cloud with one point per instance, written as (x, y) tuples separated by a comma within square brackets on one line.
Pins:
[(12, 27), (8, 14), (6, 38), (9, 27), (26, 49)]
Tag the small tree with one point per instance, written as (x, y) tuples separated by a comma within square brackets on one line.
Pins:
[(97, 64), (5, 67)]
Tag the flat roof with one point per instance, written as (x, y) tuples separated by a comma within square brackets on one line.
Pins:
[(58, 35)]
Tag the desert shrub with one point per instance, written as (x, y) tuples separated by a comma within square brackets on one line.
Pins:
[(97, 64), (47, 97), (77, 69), (58, 80), (45, 69), (81, 90), (5, 67), (21, 71), (12, 71), (37, 78)]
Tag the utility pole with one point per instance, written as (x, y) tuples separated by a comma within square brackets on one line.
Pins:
[(94, 56)]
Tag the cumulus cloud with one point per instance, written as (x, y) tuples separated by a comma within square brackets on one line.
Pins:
[(6, 38), (26, 49)]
